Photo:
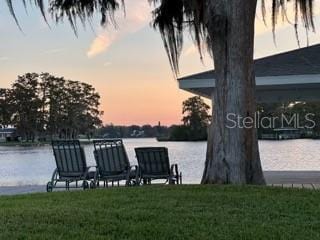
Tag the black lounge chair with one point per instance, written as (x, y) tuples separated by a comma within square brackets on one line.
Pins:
[(71, 165), (154, 164), (112, 163)]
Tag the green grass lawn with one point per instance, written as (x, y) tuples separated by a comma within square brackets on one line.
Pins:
[(164, 212)]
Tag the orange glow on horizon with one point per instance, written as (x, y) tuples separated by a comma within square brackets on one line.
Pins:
[(128, 66)]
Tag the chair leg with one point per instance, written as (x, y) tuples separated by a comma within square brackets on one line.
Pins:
[(52, 184), (128, 182), (49, 187), (172, 180)]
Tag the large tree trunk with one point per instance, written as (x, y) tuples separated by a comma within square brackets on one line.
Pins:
[(233, 154)]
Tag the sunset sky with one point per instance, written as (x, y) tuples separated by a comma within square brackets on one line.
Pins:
[(128, 65)]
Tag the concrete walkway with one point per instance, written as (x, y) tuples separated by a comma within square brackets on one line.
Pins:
[(21, 190), (291, 179)]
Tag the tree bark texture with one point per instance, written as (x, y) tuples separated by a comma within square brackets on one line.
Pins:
[(232, 151)]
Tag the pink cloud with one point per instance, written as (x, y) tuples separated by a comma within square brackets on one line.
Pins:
[(100, 44), (138, 15)]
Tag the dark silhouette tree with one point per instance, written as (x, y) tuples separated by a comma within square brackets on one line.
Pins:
[(195, 112), (227, 28), (27, 105), (42, 105), (5, 107), (196, 117)]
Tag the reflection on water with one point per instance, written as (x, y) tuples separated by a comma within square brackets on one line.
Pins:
[(34, 165)]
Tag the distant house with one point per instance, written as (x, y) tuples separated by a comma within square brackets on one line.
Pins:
[(293, 133), (7, 134), (137, 133), (283, 134)]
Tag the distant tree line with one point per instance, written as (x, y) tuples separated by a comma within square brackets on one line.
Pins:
[(196, 119), (133, 131), (194, 128), (42, 105)]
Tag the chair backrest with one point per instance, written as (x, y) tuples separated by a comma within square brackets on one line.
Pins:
[(111, 156), (70, 158), (153, 161)]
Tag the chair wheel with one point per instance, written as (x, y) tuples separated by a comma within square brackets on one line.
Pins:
[(49, 187), (93, 184), (85, 185)]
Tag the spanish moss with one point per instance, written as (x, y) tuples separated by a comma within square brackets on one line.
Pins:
[(171, 17)]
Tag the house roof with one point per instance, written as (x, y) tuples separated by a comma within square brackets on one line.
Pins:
[(303, 61)]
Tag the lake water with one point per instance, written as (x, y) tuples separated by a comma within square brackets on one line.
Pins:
[(34, 165)]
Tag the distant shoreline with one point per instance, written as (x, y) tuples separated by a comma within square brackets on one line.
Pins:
[(35, 144), (46, 143), (23, 144), (86, 141)]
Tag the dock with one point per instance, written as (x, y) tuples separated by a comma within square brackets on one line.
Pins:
[(293, 179)]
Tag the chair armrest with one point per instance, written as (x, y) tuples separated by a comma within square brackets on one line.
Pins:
[(135, 169), (174, 169), (88, 175), (134, 166), (91, 167)]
